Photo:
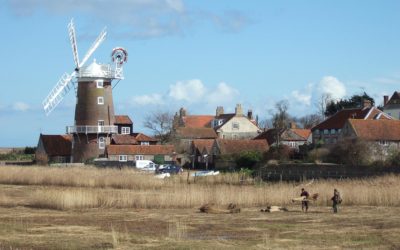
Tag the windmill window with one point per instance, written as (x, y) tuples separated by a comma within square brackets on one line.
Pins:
[(100, 100), (125, 130), (102, 143), (123, 158), (99, 83)]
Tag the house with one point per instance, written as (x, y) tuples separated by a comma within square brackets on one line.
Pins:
[(384, 134), (293, 137), (53, 149), (126, 136), (392, 106), (143, 139), (328, 131), (225, 125), (129, 154), (236, 125)]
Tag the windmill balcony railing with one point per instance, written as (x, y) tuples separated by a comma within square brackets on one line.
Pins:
[(92, 129)]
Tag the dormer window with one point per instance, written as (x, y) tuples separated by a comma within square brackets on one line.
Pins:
[(125, 130)]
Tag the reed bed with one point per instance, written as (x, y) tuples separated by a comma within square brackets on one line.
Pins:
[(84, 188)]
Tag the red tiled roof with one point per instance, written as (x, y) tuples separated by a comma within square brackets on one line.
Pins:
[(57, 145), (124, 140), (142, 137), (140, 149), (197, 121), (201, 144), (123, 119), (375, 130), (196, 133), (239, 146), (337, 120), (305, 133)]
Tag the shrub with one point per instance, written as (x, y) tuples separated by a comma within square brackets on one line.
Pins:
[(248, 159), (280, 152)]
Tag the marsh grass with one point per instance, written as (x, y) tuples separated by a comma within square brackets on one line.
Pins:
[(89, 187)]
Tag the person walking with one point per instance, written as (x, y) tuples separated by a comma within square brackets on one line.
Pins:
[(305, 201), (336, 200)]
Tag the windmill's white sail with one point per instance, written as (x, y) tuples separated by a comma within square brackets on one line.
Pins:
[(58, 92)]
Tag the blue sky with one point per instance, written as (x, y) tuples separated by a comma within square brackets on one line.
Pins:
[(196, 54)]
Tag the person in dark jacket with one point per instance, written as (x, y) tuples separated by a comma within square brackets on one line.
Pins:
[(304, 203), (336, 200)]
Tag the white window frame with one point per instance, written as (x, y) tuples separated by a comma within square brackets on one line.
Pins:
[(145, 143), (125, 130), (384, 143), (102, 142), (139, 157), (99, 84), (123, 158), (100, 100)]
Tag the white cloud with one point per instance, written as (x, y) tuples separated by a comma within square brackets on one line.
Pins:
[(302, 98), (190, 91), (331, 85), (222, 94), (134, 19), (20, 106), (153, 99), (176, 5)]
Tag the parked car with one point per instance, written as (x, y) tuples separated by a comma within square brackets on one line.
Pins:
[(169, 168)]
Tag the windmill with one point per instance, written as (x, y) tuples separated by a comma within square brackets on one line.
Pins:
[(94, 111)]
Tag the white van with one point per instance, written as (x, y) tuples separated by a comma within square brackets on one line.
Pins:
[(146, 165)]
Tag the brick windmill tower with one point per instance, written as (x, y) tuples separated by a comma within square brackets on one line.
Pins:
[(94, 111)]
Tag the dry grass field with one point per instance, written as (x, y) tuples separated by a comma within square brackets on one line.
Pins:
[(89, 208)]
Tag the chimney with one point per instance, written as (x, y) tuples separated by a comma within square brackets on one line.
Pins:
[(238, 110), (385, 99), (182, 112), (220, 111), (366, 103), (293, 125), (250, 114)]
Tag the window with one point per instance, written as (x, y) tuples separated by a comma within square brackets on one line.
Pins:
[(139, 157), (317, 132), (145, 143), (333, 131), (384, 143), (235, 125), (326, 132), (123, 158), (100, 122), (125, 130), (99, 83), (102, 142), (100, 100)]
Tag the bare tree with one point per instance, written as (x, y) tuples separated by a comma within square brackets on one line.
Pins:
[(280, 118), (160, 122), (309, 121), (322, 103)]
